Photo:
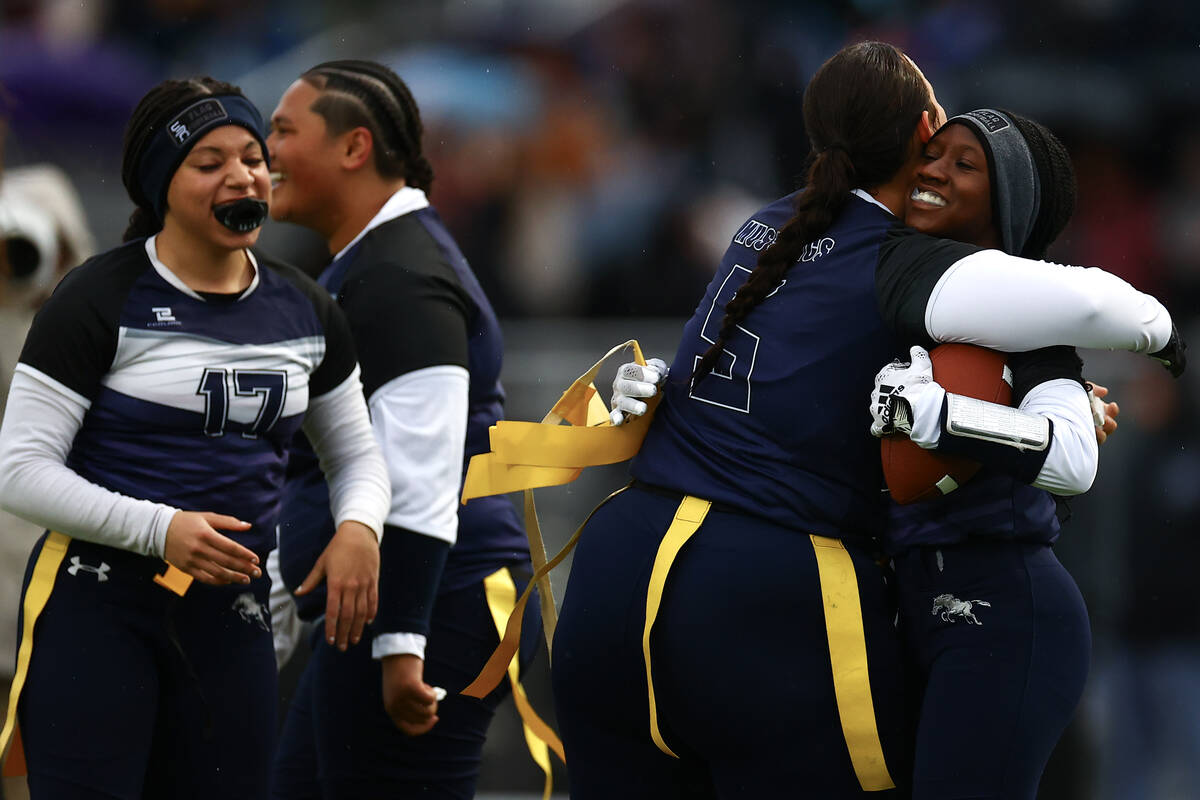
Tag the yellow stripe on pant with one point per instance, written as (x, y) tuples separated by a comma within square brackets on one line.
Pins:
[(41, 584), (844, 629), (501, 595), (848, 659)]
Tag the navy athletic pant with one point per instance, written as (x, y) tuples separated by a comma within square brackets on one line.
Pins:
[(338, 742), (136, 692), (740, 661), (999, 634)]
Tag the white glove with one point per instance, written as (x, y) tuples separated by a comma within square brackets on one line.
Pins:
[(634, 380), (906, 399)]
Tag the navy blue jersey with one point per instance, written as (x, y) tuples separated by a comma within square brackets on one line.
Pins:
[(443, 318), (193, 398), (992, 505), (780, 428)]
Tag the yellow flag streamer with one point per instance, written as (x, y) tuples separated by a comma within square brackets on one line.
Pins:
[(529, 455), (540, 738), (510, 641)]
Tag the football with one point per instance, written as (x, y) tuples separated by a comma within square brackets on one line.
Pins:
[(914, 474)]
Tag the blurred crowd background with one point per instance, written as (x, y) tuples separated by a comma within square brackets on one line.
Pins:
[(593, 157)]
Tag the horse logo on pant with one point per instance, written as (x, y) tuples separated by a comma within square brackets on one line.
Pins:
[(951, 609)]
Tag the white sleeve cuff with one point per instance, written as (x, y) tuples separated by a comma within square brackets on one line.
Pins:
[(927, 419), (1071, 464), (398, 644)]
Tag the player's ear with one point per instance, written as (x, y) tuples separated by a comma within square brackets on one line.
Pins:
[(357, 148), (925, 128)]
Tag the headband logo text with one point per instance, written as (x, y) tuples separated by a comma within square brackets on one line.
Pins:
[(991, 121), (194, 118)]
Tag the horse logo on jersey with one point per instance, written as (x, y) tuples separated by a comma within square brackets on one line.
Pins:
[(251, 611), (951, 609), (101, 572)]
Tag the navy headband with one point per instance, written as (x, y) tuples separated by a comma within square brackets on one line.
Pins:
[(1016, 190), (168, 147)]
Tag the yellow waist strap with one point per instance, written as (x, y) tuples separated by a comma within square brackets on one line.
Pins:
[(688, 518), (848, 660), (844, 629)]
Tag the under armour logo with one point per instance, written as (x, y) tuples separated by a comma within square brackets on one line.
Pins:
[(951, 609), (163, 314), (101, 571)]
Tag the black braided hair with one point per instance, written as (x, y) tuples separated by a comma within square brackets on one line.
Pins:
[(1056, 177), (356, 93), (860, 110), (158, 107)]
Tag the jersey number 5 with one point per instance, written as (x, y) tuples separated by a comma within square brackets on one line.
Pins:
[(728, 385), (268, 385)]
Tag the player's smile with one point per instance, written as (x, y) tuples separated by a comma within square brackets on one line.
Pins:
[(303, 158), (952, 195)]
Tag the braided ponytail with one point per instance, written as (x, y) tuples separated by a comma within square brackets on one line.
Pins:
[(860, 110)]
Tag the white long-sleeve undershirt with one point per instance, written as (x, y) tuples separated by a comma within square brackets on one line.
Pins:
[(43, 416), (420, 421), (1014, 304)]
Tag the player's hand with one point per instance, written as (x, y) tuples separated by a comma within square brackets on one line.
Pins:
[(1104, 413), (632, 381), (905, 394), (1174, 355), (350, 567), (195, 545), (407, 698)]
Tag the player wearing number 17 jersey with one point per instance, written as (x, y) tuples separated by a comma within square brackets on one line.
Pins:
[(149, 419)]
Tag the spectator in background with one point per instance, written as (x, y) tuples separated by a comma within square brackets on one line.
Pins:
[(1148, 687)]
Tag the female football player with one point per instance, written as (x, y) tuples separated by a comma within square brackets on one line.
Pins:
[(995, 626), (725, 617), (148, 420), (366, 722)]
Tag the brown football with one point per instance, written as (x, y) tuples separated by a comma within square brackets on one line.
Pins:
[(914, 474)]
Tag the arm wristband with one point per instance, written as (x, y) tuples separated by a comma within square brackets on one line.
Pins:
[(410, 572), (1005, 439)]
